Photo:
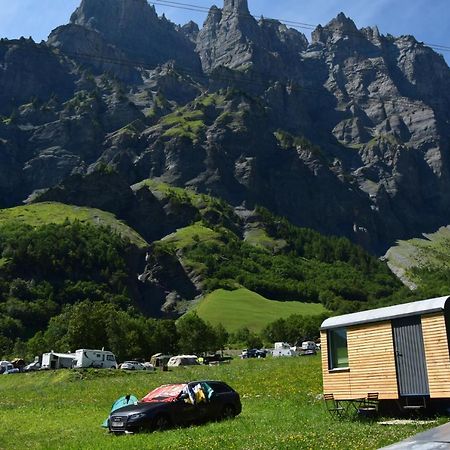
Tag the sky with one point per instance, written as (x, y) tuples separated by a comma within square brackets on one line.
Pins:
[(427, 20)]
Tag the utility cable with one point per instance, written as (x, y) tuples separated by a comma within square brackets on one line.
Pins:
[(218, 77), (290, 23)]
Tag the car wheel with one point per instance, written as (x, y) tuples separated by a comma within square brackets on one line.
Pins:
[(161, 422), (228, 411)]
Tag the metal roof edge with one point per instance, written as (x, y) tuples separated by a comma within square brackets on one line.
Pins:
[(387, 313)]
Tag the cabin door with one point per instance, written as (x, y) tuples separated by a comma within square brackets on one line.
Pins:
[(412, 376)]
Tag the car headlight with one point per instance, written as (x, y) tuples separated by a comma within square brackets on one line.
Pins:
[(136, 416)]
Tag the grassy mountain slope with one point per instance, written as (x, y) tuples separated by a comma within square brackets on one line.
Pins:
[(424, 263), (55, 255), (39, 214), (267, 255), (244, 308)]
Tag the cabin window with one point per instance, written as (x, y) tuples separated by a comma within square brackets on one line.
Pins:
[(110, 358), (337, 349)]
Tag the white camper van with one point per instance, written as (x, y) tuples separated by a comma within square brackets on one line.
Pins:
[(100, 359), (55, 361), (283, 349)]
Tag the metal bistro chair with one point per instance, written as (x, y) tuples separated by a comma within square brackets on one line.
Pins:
[(333, 406), (369, 408)]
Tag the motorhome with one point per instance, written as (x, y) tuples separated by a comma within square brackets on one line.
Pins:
[(100, 359), (55, 361)]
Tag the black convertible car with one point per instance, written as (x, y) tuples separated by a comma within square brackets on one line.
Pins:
[(177, 404)]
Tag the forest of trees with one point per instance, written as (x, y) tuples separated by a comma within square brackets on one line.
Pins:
[(67, 286), (45, 269)]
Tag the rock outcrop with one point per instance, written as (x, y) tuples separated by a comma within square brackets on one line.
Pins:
[(231, 37), (124, 32), (347, 134)]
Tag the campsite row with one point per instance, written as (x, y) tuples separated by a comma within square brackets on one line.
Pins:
[(104, 359)]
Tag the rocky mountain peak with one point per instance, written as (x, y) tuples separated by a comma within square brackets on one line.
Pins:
[(214, 16), (107, 16), (235, 6), (125, 29), (338, 27)]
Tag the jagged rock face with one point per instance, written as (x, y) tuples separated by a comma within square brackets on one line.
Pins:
[(78, 41), (232, 38), (348, 134), (190, 30), (133, 27), (392, 117), (28, 70)]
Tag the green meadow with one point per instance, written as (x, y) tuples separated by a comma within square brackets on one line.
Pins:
[(244, 308), (40, 214), (281, 401)]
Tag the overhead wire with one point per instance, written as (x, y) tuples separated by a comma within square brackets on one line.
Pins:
[(291, 23), (221, 77), (214, 77)]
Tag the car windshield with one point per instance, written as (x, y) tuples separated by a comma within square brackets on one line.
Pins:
[(165, 393)]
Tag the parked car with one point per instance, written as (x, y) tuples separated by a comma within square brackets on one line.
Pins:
[(149, 366), (216, 359), (32, 367), (177, 404), (308, 348), (253, 353), (5, 365), (132, 365)]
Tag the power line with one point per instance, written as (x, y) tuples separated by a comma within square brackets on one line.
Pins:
[(206, 10), (290, 23), (216, 77)]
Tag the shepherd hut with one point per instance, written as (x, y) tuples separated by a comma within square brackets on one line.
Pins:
[(400, 352)]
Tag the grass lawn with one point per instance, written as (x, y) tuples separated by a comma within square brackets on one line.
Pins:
[(281, 410), (239, 308), (187, 236), (40, 214)]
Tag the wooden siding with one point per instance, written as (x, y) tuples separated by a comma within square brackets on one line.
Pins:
[(437, 355), (371, 362)]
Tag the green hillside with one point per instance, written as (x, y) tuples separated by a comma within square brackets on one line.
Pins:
[(244, 308), (54, 255), (59, 264), (39, 214), (424, 263)]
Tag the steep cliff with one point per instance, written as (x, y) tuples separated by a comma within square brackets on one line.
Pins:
[(347, 134)]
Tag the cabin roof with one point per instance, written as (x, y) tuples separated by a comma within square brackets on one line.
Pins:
[(383, 314)]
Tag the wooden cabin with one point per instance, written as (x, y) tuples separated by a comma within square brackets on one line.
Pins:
[(401, 352)]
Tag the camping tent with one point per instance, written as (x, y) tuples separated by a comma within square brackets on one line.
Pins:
[(183, 360)]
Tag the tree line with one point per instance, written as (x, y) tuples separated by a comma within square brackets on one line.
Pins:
[(129, 335)]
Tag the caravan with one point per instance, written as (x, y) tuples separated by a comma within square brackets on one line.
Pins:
[(100, 359), (55, 361)]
